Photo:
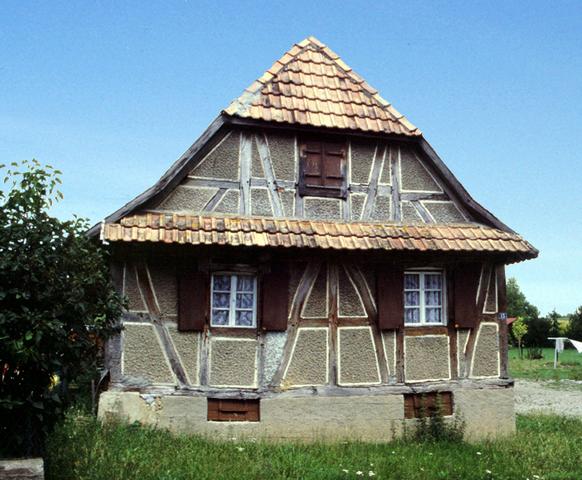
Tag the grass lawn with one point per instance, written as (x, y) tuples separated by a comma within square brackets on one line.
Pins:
[(544, 447), (569, 365)]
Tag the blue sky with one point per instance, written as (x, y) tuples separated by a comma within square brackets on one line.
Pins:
[(113, 92)]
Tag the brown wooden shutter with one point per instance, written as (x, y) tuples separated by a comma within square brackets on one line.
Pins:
[(390, 298), (313, 163), (275, 298), (332, 164), (193, 300), (467, 278)]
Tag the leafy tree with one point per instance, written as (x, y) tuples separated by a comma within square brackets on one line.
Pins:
[(554, 324), (519, 329), (57, 305), (538, 329), (575, 327)]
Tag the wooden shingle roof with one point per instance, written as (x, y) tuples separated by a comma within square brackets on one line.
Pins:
[(310, 85), (267, 232)]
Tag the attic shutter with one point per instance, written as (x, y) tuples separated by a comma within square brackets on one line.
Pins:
[(275, 295), (193, 299), (332, 164), (467, 278), (322, 168), (313, 160), (390, 298)]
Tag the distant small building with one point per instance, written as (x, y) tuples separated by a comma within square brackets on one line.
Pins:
[(310, 268)]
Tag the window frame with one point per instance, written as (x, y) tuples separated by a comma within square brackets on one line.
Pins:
[(422, 303), (232, 308), (340, 191)]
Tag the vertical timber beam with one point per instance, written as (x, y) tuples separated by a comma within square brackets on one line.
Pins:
[(395, 175), (265, 156), (373, 186), (333, 286), (502, 319), (245, 172), (299, 212)]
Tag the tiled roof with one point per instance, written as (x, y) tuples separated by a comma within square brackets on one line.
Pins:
[(311, 85), (264, 232)]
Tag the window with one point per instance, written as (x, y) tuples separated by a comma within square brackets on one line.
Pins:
[(234, 300), (323, 169), (423, 298)]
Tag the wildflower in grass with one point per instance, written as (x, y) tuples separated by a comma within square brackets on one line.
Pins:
[(371, 464), (371, 473), (240, 449), (536, 476), (359, 472), (489, 472), (478, 453), (345, 470)]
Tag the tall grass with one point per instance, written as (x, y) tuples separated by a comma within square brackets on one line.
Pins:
[(548, 447)]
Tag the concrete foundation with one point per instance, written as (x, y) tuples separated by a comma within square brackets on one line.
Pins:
[(487, 412)]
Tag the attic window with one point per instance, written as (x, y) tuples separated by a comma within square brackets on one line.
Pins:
[(322, 168)]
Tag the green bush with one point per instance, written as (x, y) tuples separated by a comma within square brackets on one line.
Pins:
[(57, 305)]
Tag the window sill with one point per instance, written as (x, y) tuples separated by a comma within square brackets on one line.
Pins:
[(417, 330)]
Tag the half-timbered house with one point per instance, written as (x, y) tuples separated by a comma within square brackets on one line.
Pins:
[(309, 268)]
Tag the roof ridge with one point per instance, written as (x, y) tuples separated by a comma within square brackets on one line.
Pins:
[(242, 103)]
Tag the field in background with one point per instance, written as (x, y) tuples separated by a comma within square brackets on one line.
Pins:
[(545, 447), (569, 365)]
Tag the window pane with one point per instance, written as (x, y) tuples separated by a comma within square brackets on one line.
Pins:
[(244, 319), (244, 300), (245, 283), (433, 315), (221, 282), (411, 299), (432, 298), (433, 281), (221, 300), (412, 315), (411, 281), (219, 317)]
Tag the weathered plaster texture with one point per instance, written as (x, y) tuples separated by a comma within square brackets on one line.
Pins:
[(163, 277), (288, 202), (362, 158), (188, 199), (382, 207), (444, 212), (462, 337), (261, 203), (386, 174), (143, 356), (223, 161), (426, 358), (296, 271), (369, 273), (357, 356), (409, 213), (131, 290), (358, 200), (349, 302), (272, 354), (486, 354), (282, 148), (491, 299), (488, 412), (187, 345), (322, 208), (389, 339), (233, 362), (308, 364), (229, 203), (413, 175), (311, 418), (256, 164), (316, 304)]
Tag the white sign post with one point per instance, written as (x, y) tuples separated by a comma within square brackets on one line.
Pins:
[(558, 347)]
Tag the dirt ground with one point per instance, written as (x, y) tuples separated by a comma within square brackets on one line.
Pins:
[(561, 397)]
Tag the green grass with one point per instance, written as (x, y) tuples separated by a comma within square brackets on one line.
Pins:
[(547, 447), (569, 365)]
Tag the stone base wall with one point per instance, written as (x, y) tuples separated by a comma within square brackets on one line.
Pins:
[(488, 412)]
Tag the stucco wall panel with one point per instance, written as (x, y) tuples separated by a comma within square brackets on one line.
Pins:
[(188, 199), (426, 358), (131, 289), (143, 356), (382, 207), (322, 208), (357, 363), (357, 200), (282, 148), (274, 342), (409, 213), (288, 202), (233, 362), (223, 161), (349, 301), (257, 170), (316, 305), (309, 362), (163, 277), (362, 158), (389, 339), (486, 353), (488, 412), (229, 203), (462, 337), (413, 175), (261, 203), (444, 212), (187, 345)]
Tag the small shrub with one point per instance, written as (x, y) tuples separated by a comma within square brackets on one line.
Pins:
[(535, 353), (434, 427)]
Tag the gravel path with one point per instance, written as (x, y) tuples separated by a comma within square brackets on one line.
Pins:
[(563, 398)]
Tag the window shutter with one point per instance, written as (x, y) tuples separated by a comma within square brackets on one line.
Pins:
[(313, 156), (193, 300), (332, 164), (275, 298), (467, 278), (390, 298)]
